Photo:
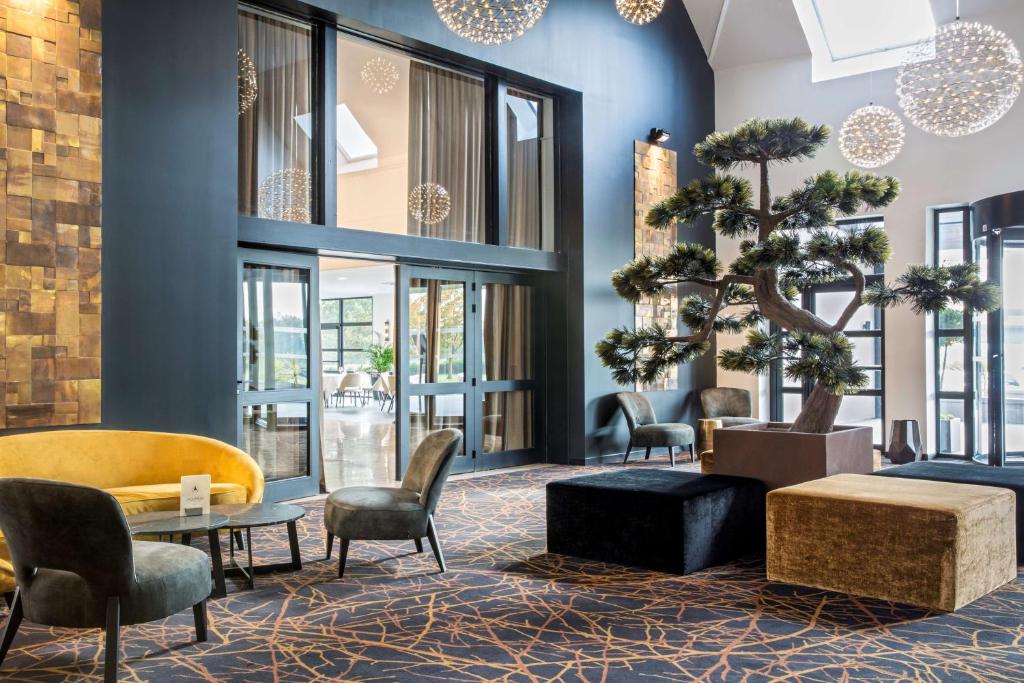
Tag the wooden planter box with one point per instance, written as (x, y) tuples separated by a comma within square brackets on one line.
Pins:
[(778, 457)]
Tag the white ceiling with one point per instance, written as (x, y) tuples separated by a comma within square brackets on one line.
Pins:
[(741, 32)]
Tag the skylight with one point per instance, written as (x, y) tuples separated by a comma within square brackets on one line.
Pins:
[(849, 37), (356, 150)]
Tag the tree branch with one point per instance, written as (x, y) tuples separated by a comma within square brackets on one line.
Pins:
[(856, 302)]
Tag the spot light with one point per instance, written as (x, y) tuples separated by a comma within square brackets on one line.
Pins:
[(659, 135)]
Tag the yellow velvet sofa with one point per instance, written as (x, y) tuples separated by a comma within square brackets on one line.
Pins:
[(142, 470)]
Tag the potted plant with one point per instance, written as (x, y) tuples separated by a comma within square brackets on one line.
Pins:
[(790, 242), (382, 359)]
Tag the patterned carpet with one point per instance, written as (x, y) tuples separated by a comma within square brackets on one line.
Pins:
[(505, 610)]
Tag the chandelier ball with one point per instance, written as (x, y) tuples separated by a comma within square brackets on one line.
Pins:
[(247, 87), (871, 136), (285, 196), (639, 11), (961, 81), (380, 75), (490, 22), (430, 203)]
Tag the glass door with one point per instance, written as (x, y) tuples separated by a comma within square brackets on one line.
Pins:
[(467, 354), (1001, 344), (435, 380), (278, 370)]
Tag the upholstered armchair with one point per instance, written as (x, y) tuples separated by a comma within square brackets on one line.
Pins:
[(383, 513), (76, 565), (723, 407), (646, 432)]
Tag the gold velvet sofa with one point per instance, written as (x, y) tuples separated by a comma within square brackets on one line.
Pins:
[(142, 470)]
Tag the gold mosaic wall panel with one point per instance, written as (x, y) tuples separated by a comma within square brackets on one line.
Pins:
[(655, 174), (50, 148)]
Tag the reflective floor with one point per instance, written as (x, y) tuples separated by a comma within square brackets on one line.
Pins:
[(359, 446)]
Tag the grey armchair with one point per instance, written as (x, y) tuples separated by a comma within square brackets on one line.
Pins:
[(723, 407), (646, 432), (76, 565), (386, 513)]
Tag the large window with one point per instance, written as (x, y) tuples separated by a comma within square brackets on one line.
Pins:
[(954, 342), (867, 333), (338, 130), (346, 333)]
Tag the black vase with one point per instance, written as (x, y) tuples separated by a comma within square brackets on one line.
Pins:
[(905, 445)]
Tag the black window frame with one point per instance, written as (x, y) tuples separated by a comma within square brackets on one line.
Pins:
[(340, 328), (497, 81), (966, 332), (777, 389)]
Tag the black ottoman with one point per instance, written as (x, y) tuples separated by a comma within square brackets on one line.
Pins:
[(672, 521), (969, 473)]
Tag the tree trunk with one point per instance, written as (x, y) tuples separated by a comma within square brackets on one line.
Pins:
[(819, 412)]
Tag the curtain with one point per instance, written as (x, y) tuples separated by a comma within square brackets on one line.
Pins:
[(524, 189), (446, 147), (508, 355), (270, 138)]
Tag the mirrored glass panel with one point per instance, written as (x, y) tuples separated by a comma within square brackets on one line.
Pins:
[(437, 331), (862, 411), (507, 421), (275, 327), (276, 435), (952, 364), (275, 121), (951, 426), (507, 332), (791, 405), (830, 305)]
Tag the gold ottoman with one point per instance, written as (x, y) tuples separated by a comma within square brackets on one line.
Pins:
[(926, 543)]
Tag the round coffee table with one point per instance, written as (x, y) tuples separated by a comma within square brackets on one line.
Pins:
[(170, 523), (247, 516)]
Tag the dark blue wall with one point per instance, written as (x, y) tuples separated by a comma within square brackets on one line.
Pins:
[(169, 182)]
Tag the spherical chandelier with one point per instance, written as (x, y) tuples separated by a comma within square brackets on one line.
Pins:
[(285, 196), (871, 137), (639, 11), (247, 87), (380, 75), (961, 81), (490, 22), (430, 203)]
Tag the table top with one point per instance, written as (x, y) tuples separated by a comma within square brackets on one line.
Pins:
[(171, 522), (242, 515)]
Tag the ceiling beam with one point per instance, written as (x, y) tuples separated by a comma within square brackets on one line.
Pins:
[(718, 32)]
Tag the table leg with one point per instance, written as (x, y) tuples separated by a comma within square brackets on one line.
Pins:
[(186, 539), (293, 545), (220, 587), (248, 547)]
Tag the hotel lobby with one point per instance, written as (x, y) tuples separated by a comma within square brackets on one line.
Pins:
[(519, 340)]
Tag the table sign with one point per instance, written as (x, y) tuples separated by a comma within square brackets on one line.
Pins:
[(195, 495)]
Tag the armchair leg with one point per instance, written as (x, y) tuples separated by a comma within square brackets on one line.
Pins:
[(629, 447), (342, 557), (238, 539), (199, 612), (435, 545), (419, 544), (647, 456), (110, 654), (671, 457), (13, 622), (330, 544), (693, 454)]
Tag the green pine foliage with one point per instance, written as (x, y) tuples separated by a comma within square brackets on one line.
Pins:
[(791, 242)]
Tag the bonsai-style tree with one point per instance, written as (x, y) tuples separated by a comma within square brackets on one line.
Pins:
[(791, 242)]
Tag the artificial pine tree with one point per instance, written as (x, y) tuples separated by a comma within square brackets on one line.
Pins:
[(791, 242)]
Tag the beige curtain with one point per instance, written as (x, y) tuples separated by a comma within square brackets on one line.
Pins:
[(446, 147), (269, 137), (508, 343), (524, 189)]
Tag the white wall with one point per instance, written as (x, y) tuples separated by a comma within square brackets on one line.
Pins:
[(933, 171)]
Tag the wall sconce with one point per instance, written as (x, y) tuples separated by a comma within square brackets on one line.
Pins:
[(658, 136)]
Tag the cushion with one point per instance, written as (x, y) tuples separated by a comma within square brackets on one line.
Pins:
[(159, 497), (969, 473), (931, 544), (169, 579), (375, 512), (663, 434), (667, 520)]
